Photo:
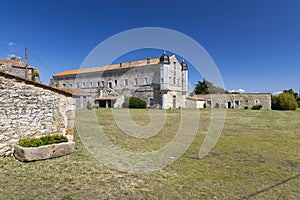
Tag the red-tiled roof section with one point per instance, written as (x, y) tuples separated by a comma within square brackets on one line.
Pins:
[(68, 72), (124, 65)]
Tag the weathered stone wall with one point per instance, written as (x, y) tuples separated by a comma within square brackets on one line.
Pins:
[(238, 101), (29, 110), (18, 68), (194, 103), (17, 71)]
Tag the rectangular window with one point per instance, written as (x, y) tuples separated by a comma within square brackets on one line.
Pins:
[(116, 83), (83, 85), (102, 83), (146, 80), (151, 102), (237, 103), (174, 80), (91, 84), (71, 85), (98, 84), (64, 85), (208, 103), (174, 68), (161, 80), (126, 82), (135, 81)]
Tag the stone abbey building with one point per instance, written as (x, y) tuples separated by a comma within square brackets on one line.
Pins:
[(161, 82)]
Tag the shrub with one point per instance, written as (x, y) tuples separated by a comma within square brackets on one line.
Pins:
[(45, 140), (284, 101), (89, 105), (134, 102), (275, 103), (256, 107)]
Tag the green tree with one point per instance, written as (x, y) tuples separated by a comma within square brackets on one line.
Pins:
[(206, 87), (201, 88), (275, 103), (285, 101)]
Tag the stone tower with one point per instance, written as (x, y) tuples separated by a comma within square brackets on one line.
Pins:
[(184, 69), (164, 62)]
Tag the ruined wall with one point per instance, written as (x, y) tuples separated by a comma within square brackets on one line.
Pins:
[(17, 71), (18, 68), (29, 110), (238, 101)]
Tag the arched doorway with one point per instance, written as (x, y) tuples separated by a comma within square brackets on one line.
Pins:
[(228, 104), (174, 101)]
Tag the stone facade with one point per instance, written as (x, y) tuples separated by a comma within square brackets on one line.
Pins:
[(30, 109), (237, 101), (161, 82), (193, 102), (18, 68), (81, 97)]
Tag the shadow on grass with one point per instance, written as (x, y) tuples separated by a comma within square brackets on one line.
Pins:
[(271, 187)]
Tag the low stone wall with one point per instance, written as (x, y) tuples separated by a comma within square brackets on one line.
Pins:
[(237, 101), (194, 103), (29, 109)]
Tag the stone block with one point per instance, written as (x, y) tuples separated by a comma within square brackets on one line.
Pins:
[(26, 154)]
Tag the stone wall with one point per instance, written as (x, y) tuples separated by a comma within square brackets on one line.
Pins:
[(29, 109), (18, 68), (237, 101), (194, 103)]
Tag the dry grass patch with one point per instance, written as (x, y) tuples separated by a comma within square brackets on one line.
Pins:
[(256, 157)]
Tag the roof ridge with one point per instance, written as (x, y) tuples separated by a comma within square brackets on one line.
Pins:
[(115, 66)]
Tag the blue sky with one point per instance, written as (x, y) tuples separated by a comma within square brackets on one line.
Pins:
[(254, 43)]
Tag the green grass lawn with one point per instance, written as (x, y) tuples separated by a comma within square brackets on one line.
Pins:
[(256, 157)]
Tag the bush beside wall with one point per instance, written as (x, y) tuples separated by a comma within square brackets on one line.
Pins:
[(134, 102)]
